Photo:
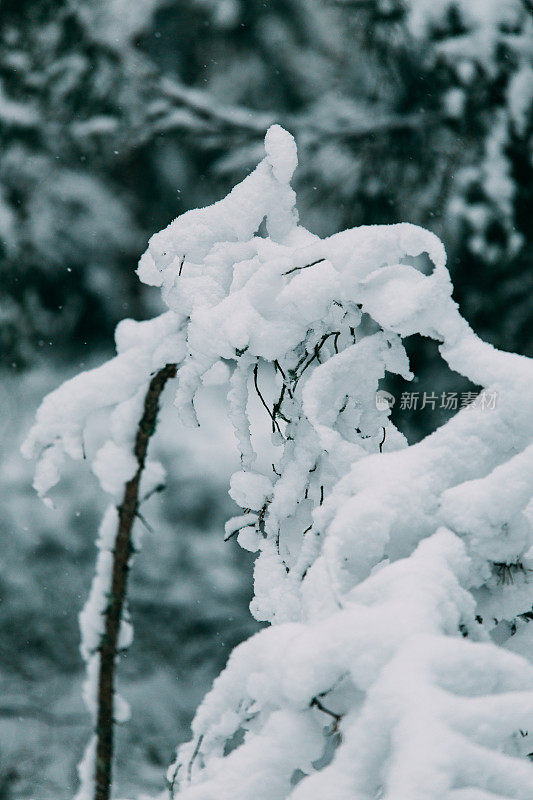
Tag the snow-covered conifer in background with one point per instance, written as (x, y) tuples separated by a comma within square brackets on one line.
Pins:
[(392, 575)]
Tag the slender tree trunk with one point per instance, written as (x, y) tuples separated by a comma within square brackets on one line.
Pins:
[(113, 615)]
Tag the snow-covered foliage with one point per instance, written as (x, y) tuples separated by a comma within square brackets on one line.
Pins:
[(388, 572), (484, 43)]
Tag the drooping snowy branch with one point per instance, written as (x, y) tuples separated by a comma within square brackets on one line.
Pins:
[(312, 326), (132, 383), (142, 348), (379, 564)]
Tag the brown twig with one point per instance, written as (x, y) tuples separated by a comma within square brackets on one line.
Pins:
[(144, 522), (159, 488), (127, 512)]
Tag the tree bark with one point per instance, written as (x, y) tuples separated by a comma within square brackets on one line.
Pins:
[(123, 550)]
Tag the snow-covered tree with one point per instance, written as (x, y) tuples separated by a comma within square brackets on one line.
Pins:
[(72, 93), (117, 115), (394, 577), (401, 108)]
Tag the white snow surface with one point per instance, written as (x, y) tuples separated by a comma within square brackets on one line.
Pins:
[(382, 568)]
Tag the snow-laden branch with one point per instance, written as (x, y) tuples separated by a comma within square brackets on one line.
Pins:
[(131, 384), (347, 497), (382, 567)]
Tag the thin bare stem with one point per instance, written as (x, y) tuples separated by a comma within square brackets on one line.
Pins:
[(305, 266), (194, 757), (127, 512), (275, 424)]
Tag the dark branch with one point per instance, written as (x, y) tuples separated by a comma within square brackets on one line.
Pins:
[(305, 266), (127, 512), (315, 702), (275, 423), (194, 756)]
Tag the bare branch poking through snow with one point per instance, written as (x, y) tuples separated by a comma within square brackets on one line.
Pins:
[(122, 552)]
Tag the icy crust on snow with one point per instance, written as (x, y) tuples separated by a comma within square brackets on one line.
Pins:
[(375, 559)]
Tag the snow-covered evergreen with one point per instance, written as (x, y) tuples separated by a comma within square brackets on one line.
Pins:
[(392, 575)]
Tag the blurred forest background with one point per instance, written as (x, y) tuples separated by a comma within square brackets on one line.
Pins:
[(115, 117)]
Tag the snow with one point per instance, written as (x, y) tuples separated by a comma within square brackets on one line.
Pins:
[(520, 97), (373, 555), (86, 772), (238, 523), (117, 23), (63, 414), (482, 24), (482, 42), (59, 430), (280, 149), (418, 683), (216, 376), (114, 466), (379, 564), (24, 115), (250, 489), (490, 510), (289, 740), (193, 235)]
